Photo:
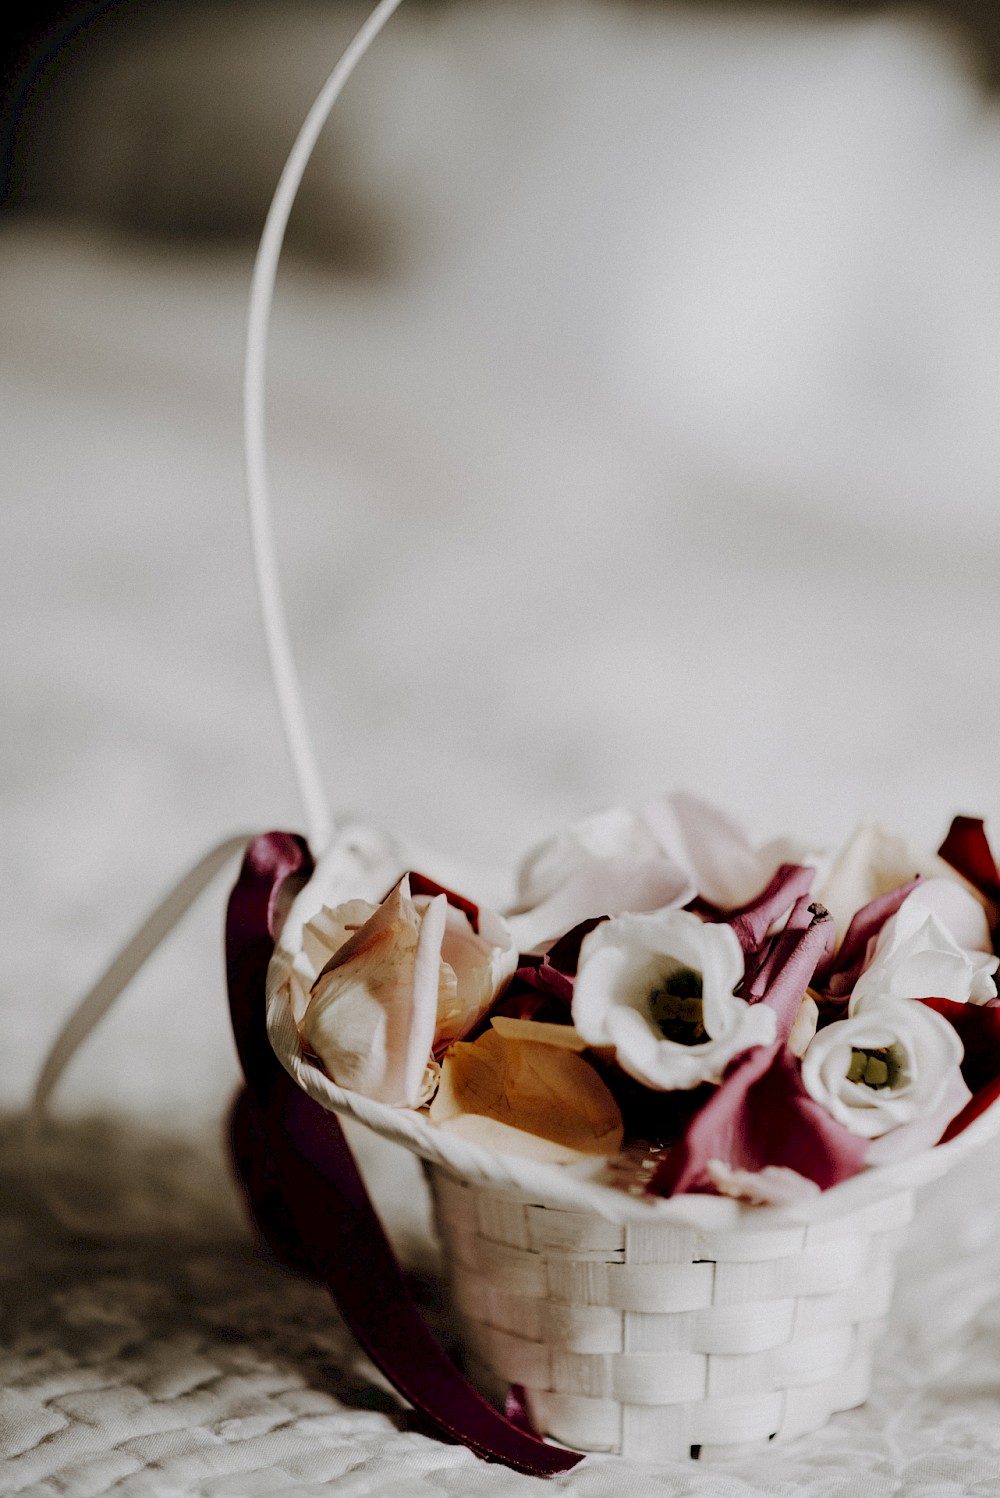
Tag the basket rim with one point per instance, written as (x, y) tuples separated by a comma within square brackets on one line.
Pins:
[(362, 863)]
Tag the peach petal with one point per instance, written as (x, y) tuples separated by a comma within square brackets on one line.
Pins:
[(533, 1089)]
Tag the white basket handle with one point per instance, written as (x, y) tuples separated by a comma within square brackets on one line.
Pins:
[(319, 824)]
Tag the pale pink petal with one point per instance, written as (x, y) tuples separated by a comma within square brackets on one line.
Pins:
[(482, 961), (616, 832), (603, 886), (713, 848), (715, 851)]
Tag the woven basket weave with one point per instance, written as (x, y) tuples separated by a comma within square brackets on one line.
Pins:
[(659, 1341)]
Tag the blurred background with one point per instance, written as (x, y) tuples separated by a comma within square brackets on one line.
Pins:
[(634, 390)]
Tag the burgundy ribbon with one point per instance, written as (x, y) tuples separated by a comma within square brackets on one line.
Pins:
[(309, 1202)]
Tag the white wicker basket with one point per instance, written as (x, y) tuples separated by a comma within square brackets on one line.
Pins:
[(657, 1340), (657, 1329)]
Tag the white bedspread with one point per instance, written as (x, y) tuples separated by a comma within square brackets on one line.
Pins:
[(615, 488)]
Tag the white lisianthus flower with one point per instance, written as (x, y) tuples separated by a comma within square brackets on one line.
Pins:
[(916, 957), (659, 990), (888, 1064)]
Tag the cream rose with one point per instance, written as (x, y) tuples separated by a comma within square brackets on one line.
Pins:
[(401, 979), (659, 989)]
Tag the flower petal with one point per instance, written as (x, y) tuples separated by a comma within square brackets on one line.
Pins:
[(625, 964), (751, 924), (915, 957), (782, 979), (774, 1186), (421, 885), (715, 851), (874, 861), (327, 932), (958, 911), (804, 1027), (978, 1028), (538, 1032), (966, 848), (497, 1088), (761, 1116), (483, 959), (841, 975), (616, 832), (373, 1008), (921, 1133), (600, 887), (924, 1057), (425, 1002)]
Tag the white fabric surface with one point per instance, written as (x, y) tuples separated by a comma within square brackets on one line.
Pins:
[(667, 456)]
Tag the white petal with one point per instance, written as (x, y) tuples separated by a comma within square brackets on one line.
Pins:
[(874, 861), (614, 833), (915, 957), (715, 851), (804, 1028), (607, 886), (921, 1133), (958, 911), (774, 1186)]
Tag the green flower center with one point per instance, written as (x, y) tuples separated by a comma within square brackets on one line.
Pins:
[(675, 1006), (873, 1066)]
